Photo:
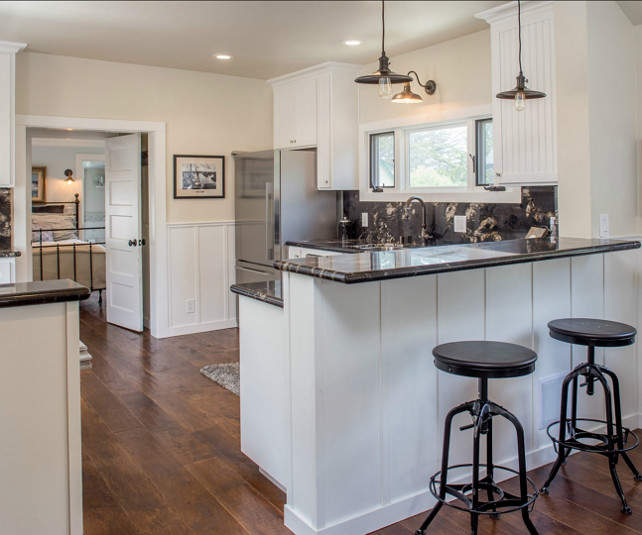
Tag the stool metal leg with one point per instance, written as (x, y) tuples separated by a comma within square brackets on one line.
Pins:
[(618, 419), (464, 407), (521, 455), (563, 452)]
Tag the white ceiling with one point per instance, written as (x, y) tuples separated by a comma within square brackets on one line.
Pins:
[(265, 38)]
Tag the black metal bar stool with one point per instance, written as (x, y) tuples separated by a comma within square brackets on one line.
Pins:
[(484, 360), (616, 439)]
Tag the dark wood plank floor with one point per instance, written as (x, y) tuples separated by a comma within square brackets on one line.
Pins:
[(161, 452)]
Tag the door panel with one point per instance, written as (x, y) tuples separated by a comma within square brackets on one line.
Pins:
[(123, 233)]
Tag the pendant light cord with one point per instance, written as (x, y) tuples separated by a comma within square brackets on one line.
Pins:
[(383, 33), (519, 33)]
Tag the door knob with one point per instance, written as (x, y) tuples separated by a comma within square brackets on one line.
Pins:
[(132, 243), (142, 242)]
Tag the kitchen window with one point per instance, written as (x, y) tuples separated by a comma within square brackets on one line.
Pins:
[(445, 156), (382, 160)]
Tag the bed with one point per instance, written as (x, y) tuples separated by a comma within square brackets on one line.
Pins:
[(60, 250)]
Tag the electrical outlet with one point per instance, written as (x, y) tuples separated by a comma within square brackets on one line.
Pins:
[(364, 219), (190, 306), (460, 223), (604, 225)]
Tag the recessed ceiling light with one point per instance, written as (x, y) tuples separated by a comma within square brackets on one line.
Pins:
[(352, 43), (223, 56)]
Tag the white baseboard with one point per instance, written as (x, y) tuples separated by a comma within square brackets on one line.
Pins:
[(364, 523), (179, 330)]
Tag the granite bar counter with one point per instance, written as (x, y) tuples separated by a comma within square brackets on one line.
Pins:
[(395, 262), (340, 400), (266, 291)]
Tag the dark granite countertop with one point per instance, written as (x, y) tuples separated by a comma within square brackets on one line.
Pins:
[(410, 262), (9, 253), (266, 291), (41, 292)]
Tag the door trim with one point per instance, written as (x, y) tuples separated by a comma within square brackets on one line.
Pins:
[(158, 274)]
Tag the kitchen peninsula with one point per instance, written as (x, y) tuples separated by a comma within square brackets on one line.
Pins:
[(340, 401), (40, 462)]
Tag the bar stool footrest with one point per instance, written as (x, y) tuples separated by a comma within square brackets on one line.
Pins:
[(605, 444), (505, 502)]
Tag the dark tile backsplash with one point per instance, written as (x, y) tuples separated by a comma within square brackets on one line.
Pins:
[(484, 221), (5, 218)]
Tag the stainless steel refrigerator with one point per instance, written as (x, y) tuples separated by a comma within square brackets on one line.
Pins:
[(277, 201)]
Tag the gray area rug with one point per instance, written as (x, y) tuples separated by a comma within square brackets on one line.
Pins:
[(226, 375)]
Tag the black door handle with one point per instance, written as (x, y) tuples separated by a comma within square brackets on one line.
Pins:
[(132, 243), (142, 242)]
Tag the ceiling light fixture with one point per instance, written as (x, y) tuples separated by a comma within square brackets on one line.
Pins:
[(384, 77), (69, 174), (520, 92), (408, 97), (352, 43), (223, 56)]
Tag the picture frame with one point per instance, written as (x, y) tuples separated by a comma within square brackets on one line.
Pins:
[(38, 184), (199, 177)]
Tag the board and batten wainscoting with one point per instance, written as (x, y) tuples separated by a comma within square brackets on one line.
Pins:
[(354, 386), (201, 268)]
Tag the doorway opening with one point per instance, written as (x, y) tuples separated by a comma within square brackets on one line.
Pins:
[(72, 238)]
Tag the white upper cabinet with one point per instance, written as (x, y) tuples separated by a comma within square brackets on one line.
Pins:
[(295, 114), (318, 107), (525, 143), (8, 53)]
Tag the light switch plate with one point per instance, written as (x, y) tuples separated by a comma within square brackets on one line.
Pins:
[(604, 225), (364, 219), (460, 223)]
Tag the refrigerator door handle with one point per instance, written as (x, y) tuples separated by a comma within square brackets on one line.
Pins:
[(269, 223)]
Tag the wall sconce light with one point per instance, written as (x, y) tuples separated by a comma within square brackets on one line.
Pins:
[(408, 97), (69, 174), (384, 77), (520, 92)]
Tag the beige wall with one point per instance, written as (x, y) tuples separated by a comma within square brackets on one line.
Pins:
[(204, 113), (461, 68), (612, 123), (596, 118), (638, 137)]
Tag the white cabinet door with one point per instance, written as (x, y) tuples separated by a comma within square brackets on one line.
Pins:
[(337, 146), (295, 111), (8, 53), (525, 143), (7, 270)]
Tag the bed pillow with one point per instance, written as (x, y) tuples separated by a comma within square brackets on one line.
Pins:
[(65, 223)]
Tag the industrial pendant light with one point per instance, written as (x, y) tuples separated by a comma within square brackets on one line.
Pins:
[(520, 92), (408, 97), (384, 77)]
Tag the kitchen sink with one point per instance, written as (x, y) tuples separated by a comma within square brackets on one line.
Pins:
[(377, 246)]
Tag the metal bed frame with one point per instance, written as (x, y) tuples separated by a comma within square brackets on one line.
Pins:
[(58, 247)]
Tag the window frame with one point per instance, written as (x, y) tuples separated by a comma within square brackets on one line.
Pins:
[(372, 139), (478, 150), (401, 191)]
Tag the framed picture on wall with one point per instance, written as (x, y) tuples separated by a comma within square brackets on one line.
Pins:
[(38, 184), (199, 177)]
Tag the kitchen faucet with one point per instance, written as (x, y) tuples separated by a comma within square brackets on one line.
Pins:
[(425, 235)]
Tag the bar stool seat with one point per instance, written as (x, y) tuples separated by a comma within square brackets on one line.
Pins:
[(483, 360), (566, 433)]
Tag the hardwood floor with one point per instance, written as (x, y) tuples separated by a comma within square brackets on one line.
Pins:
[(161, 452)]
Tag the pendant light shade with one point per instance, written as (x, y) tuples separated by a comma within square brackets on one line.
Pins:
[(520, 92), (383, 76)]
